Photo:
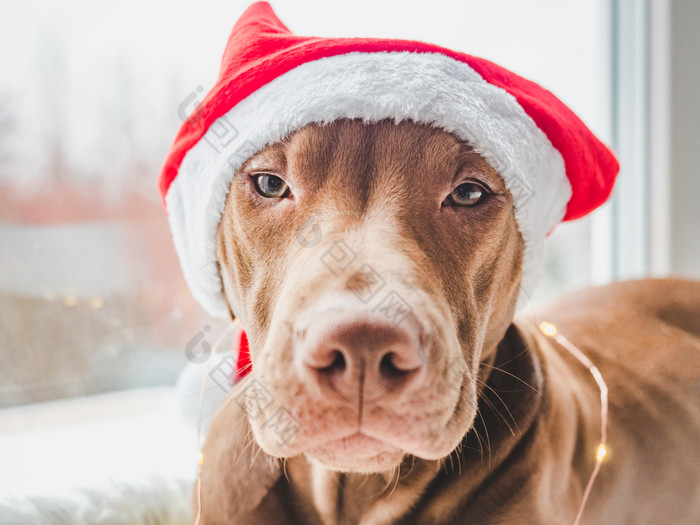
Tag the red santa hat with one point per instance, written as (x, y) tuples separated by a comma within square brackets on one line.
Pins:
[(273, 82)]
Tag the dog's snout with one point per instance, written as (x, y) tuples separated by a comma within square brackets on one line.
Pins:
[(355, 353)]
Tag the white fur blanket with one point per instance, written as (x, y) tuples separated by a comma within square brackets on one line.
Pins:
[(156, 502), (124, 458)]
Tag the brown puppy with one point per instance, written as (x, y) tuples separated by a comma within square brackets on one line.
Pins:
[(376, 268)]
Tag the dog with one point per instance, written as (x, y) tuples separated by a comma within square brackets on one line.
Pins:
[(376, 268)]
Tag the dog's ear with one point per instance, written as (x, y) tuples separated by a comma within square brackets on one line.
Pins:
[(236, 474)]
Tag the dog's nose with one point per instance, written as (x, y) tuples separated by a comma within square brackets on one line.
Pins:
[(354, 353)]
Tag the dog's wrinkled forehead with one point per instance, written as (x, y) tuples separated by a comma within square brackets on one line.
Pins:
[(410, 154)]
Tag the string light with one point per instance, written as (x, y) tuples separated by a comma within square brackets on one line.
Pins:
[(70, 300), (230, 328), (550, 330), (96, 303), (602, 452)]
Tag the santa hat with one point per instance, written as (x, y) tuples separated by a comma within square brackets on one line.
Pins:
[(273, 82)]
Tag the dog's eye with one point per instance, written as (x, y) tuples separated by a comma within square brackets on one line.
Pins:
[(270, 186), (468, 194)]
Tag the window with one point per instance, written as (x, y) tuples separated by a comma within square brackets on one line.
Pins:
[(92, 299), (92, 296)]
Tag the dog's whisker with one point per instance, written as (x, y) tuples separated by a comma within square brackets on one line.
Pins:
[(515, 423), (363, 481), (452, 465), (503, 391), (396, 482), (531, 305), (250, 441), (381, 490), (495, 409), (245, 369), (478, 440), (440, 463), (515, 357), (198, 393), (255, 457), (237, 425), (413, 463), (488, 438), (457, 453), (498, 369), (244, 449), (387, 483), (284, 470)]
